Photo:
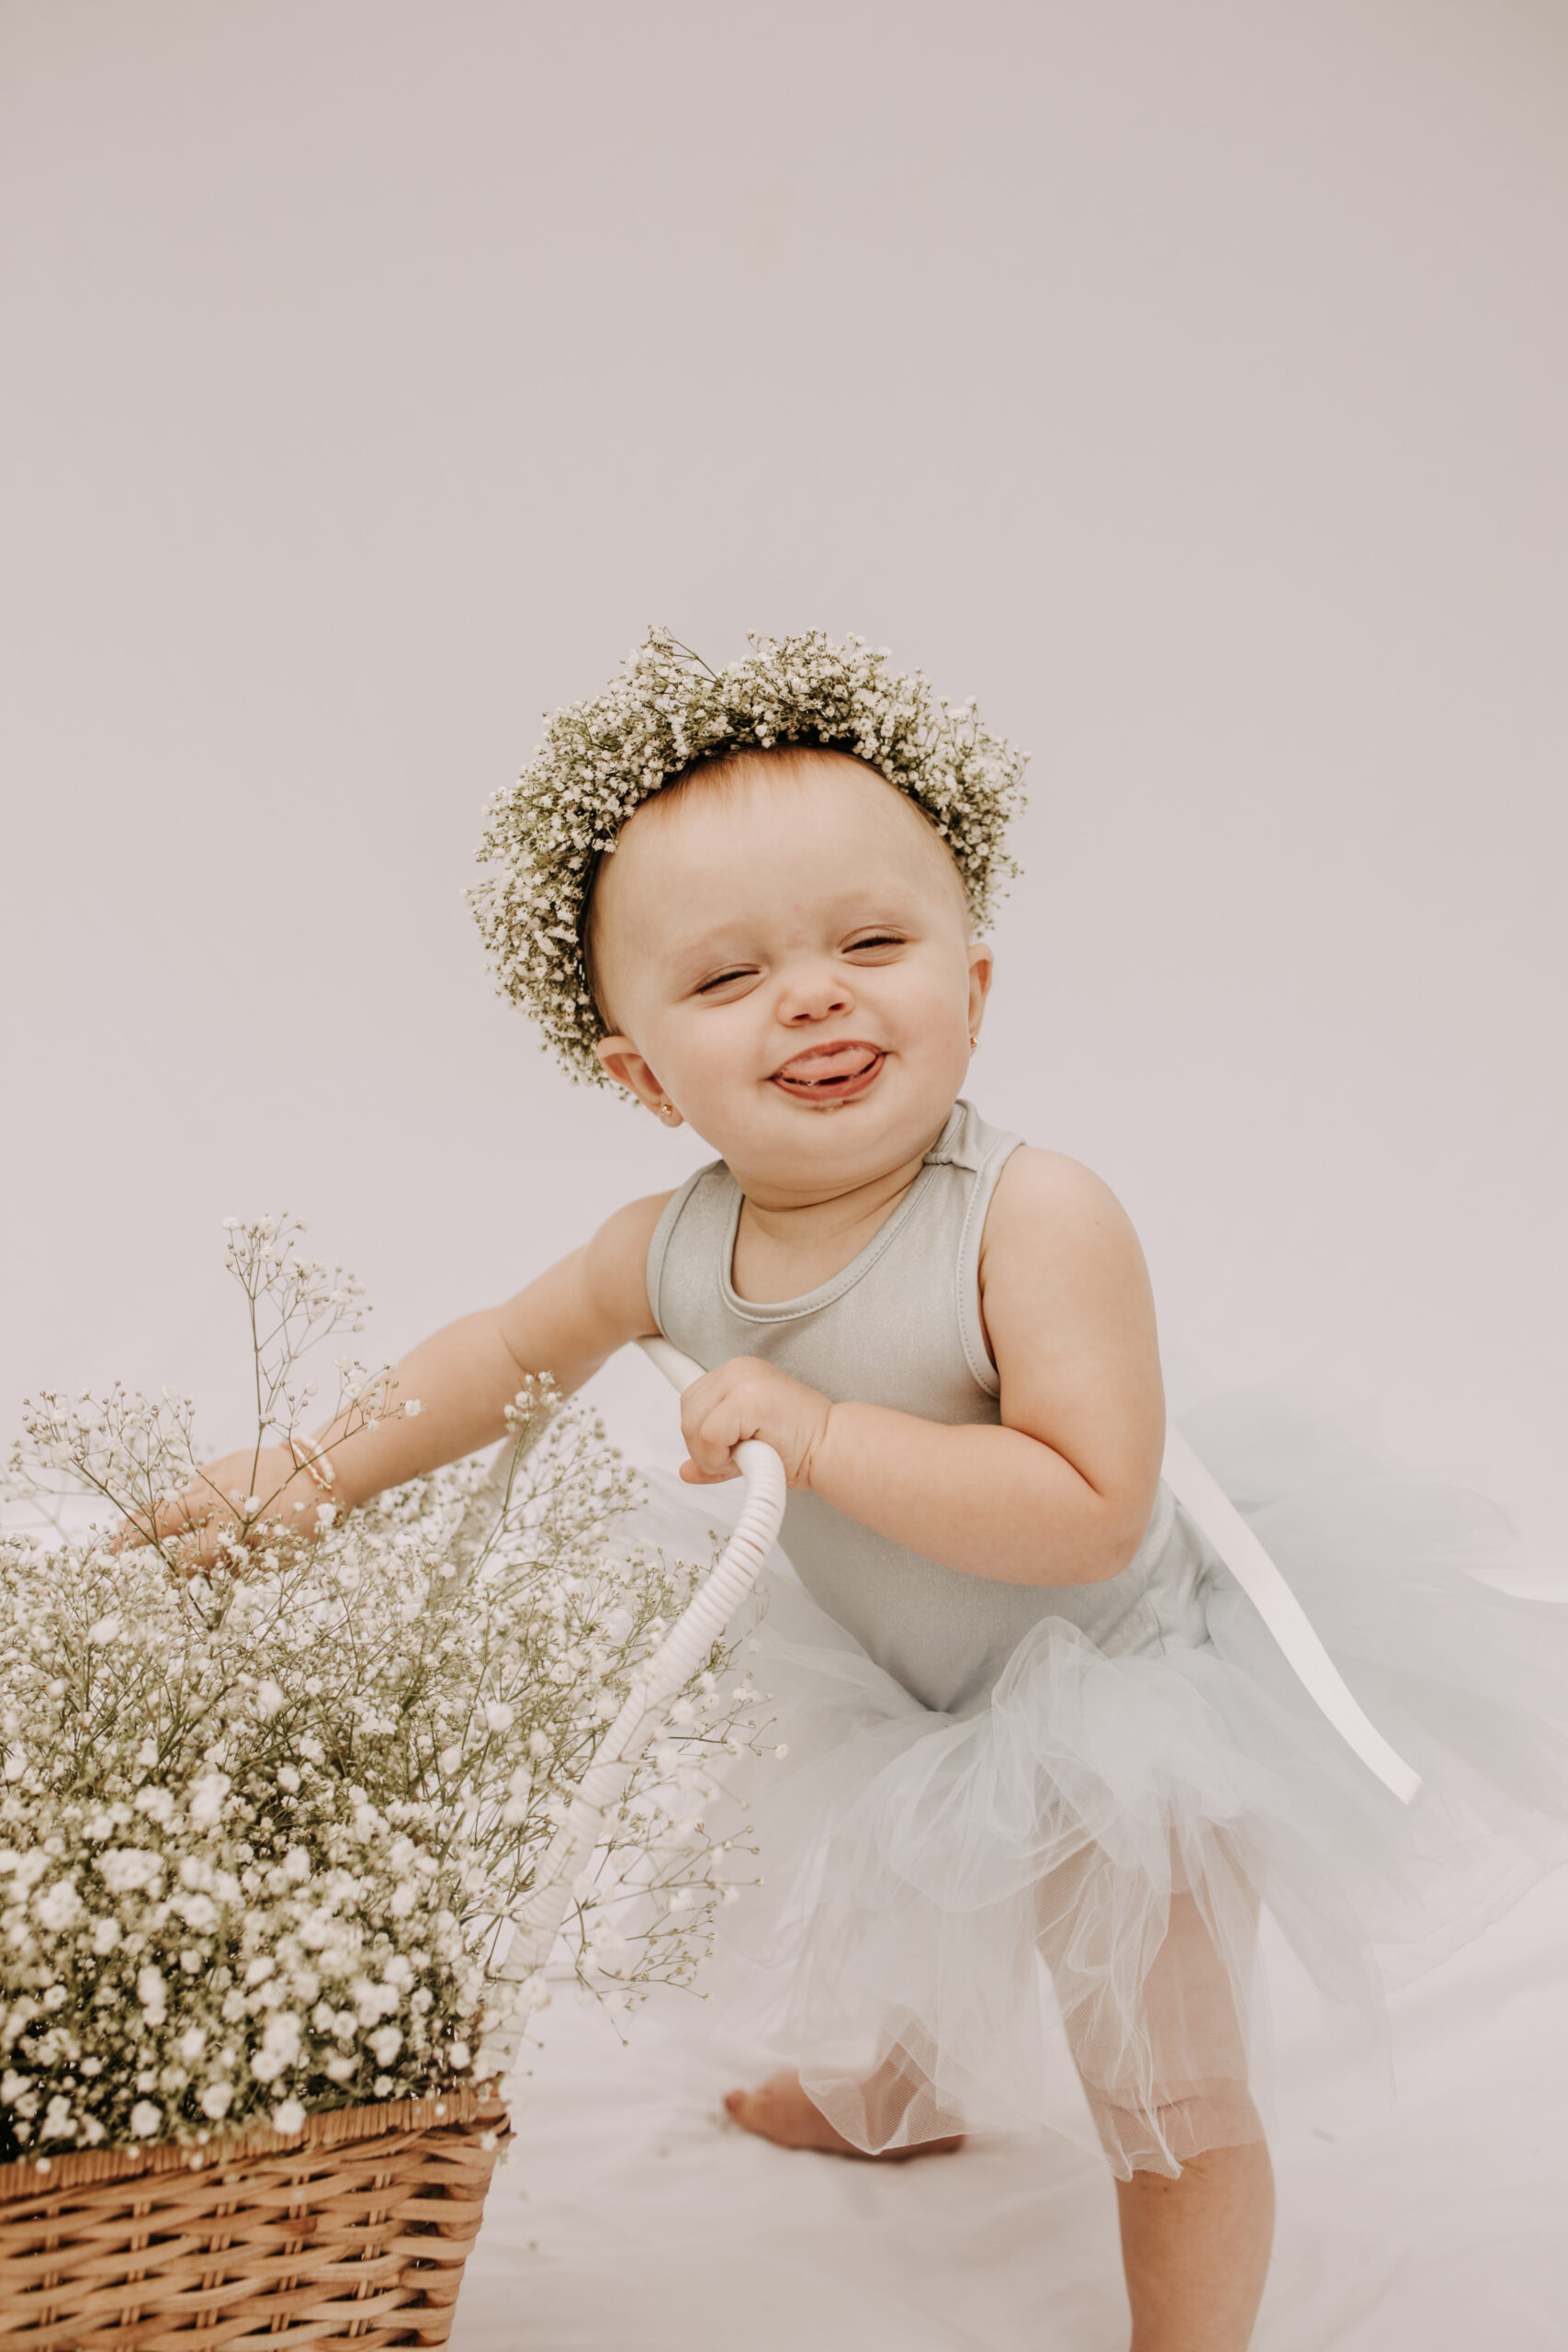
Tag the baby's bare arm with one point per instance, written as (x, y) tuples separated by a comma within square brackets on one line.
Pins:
[(567, 1323), (1062, 1492)]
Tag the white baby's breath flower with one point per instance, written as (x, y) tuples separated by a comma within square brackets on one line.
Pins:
[(216, 2100), (59, 1907), (289, 2117), (145, 2119), (128, 1867), (207, 1798), (372, 2001), (279, 2049)]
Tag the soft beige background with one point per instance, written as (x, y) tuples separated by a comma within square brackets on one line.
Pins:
[(1189, 383)]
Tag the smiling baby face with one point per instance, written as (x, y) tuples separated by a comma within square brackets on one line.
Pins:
[(783, 946)]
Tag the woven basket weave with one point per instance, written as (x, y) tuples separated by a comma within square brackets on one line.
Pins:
[(354, 2232)]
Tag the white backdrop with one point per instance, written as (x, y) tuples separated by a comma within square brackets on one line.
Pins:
[(1188, 383)]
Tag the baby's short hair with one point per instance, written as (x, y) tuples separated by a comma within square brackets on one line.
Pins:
[(665, 718)]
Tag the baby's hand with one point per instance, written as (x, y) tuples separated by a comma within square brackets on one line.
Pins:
[(746, 1397), (245, 1493)]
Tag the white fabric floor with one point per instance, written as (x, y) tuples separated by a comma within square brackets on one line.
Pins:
[(633, 2216)]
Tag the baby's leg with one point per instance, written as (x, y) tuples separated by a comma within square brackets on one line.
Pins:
[(1195, 2248)]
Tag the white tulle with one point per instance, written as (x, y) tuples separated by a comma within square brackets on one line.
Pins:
[(1044, 1917)]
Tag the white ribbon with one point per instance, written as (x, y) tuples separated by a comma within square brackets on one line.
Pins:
[(1206, 1502)]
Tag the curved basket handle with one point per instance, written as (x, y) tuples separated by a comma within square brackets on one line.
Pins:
[(700, 1624)]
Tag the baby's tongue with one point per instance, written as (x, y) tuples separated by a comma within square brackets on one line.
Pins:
[(819, 1069)]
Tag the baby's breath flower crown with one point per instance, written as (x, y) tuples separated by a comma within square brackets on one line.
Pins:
[(602, 758)]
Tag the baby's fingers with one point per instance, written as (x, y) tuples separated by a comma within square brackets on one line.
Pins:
[(695, 1475), (171, 1518), (711, 1437), (199, 1522)]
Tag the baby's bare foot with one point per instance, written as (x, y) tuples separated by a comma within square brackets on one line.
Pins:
[(779, 2110)]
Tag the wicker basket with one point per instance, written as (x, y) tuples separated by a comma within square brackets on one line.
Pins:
[(354, 2230)]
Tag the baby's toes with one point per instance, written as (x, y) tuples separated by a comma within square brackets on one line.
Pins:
[(779, 2110), (757, 2111)]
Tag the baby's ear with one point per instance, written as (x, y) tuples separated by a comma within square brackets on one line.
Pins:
[(627, 1068), (982, 965)]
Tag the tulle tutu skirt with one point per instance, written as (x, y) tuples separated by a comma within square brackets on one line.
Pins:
[(1045, 1916)]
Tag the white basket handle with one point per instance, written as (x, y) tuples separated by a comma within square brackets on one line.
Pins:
[(699, 1625)]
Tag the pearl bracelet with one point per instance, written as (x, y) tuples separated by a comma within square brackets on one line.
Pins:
[(314, 1466)]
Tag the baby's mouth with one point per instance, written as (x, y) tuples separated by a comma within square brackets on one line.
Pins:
[(829, 1074)]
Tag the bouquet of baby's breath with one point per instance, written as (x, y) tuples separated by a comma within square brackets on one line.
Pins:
[(262, 1828)]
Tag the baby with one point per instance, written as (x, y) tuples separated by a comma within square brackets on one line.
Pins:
[(1044, 1765)]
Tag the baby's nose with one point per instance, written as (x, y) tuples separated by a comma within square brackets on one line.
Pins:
[(814, 996)]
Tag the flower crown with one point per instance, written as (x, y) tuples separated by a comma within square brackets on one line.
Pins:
[(668, 710)]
